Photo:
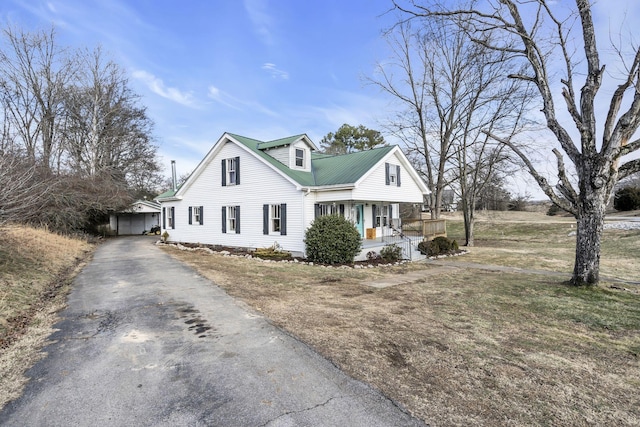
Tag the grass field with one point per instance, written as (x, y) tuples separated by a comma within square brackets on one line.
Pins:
[(457, 346), (35, 271), (469, 347)]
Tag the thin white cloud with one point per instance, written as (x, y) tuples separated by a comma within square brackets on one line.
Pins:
[(157, 86), (238, 104), (261, 19), (222, 98), (275, 72)]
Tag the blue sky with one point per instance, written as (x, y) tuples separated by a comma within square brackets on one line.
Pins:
[(261, 68)]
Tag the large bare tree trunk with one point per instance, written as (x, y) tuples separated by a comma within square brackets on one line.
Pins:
[(586, 270), (543, 36)]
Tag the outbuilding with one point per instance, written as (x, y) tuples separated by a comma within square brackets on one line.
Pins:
[(138, 218)]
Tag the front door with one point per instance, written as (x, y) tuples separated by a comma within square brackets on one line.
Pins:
[(360, 219)]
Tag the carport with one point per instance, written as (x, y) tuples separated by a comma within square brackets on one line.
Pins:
[(140, 217)]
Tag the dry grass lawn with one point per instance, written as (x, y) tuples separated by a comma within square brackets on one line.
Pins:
[(35, 271), (469, 347)]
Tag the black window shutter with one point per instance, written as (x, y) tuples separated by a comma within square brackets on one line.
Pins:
[(386, 173), (373, 210), (164, 217), (283, 219), (341, 209), (237, 170), (201, 215), (173, 217), (390, 214), (398, 175), (190, 215), (237, 219), (265, 219), (224, 172), (316, 210), (224, 219)]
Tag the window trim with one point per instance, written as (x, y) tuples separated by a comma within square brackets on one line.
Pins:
[(228, 219), (171, 217), (392, 174), (268, 219), (274, 218), (231, 218), (381, 215), (302, 157), (196, 215), (231, 176)]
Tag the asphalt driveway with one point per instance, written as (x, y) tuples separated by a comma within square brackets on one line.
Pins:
[(147, 341)]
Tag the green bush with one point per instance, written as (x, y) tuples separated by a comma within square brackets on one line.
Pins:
[(391, 253), (627, 199), (439, 246), (332, 239), (553, 210)]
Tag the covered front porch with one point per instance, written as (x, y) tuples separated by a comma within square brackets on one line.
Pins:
[(379, 224)]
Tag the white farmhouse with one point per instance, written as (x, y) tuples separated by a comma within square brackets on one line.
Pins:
[(251, 194)]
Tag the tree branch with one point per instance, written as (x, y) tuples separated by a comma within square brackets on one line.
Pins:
[(629, 169), (629, 148), (564, 186), (542, 181)]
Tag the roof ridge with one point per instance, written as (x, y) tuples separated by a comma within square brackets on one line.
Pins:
[(244, 137), (287, 137), (333, 156)]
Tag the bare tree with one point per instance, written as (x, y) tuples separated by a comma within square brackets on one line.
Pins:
[(22, 192), (451, 89), (74, 127), (544, 38), (409, 78), (33, 77), (105, 130)]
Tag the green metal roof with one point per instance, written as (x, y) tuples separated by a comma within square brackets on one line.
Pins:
[(279, 142), (301, 177), (169, 193), (325, 169), (346, 168)]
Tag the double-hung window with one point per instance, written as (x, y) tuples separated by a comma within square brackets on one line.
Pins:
[(196, 215), (299, 157), (231, 219), (392, 174), (168, 217), (274, 219), (381, 215), (231, 171), (322, 209)]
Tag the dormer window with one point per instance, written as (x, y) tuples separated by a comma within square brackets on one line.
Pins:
[(299, 158)]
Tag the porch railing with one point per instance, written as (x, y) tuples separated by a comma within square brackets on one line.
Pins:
[(400, 239), (428, 228)]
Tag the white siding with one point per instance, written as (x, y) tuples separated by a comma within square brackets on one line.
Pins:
[(373, 187), (259, 184), (307, 156), (332, 196), (281, 154)]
